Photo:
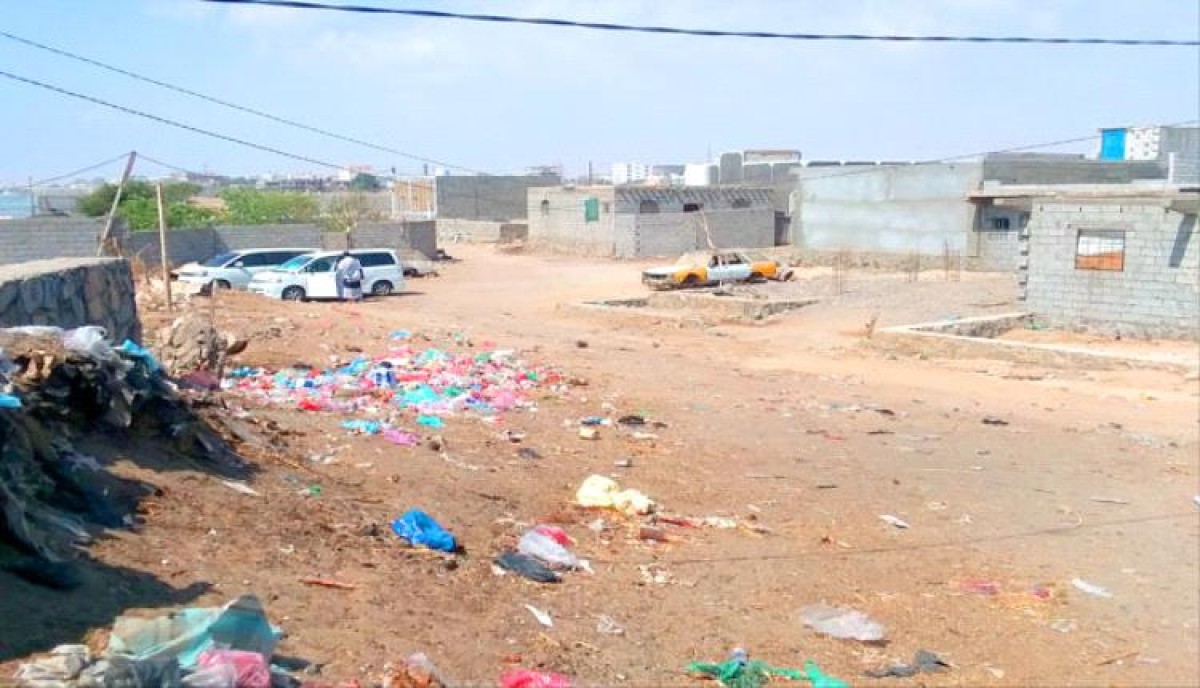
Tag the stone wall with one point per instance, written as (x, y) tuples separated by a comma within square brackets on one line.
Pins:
[(495, 198), (1156, 292), (71, 292)]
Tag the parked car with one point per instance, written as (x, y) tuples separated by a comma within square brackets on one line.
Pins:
[(699, 268), (312, 276), (235, 268)]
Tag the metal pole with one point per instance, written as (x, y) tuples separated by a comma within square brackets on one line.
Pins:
[(112, 212), (162, 246), (32, 199)]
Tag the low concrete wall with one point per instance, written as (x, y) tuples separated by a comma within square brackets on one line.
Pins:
[(470, 230), (42, 238), (71, 292)]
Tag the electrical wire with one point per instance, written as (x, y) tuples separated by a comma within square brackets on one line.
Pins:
[(169, 122), (231, 105), (708, 33), (76, 173)]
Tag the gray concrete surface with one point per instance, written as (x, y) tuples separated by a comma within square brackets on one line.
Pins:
[(71, 292)]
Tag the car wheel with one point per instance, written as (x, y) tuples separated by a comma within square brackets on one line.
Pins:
[(757, 278), (222, 284), (293, 294), (410, 272), (691, 281), (381, 288)]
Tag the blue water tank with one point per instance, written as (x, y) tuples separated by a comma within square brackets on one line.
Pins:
[(1112, 144)]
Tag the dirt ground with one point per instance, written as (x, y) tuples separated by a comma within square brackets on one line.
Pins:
[(793, 424)]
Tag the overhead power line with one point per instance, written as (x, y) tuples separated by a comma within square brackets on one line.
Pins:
[(234, 106), (169, 122), (709, 33), (76, 173)]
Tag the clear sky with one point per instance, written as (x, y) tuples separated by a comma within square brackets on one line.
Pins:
[(499, 98)]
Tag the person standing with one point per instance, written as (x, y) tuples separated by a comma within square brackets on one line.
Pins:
[(349, 276)]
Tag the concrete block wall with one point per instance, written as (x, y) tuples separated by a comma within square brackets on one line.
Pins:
[(897, 209), (71, 292), (41, 238), (561, 224), (1041, 169), (1157, 293), (487, 197), (417, 235), (470, 230), (670, 234)]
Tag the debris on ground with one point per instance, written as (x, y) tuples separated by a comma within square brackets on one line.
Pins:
[(543, 546), (846, 624), (527, 567), (599, 492), (421, 530), (924, 661), (1090, 588), (528, 678), (192, 343), (739, 671)]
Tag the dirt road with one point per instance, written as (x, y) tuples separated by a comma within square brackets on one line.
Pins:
[(1014, 481)]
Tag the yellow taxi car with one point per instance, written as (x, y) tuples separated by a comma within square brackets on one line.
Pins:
[(699, 268)]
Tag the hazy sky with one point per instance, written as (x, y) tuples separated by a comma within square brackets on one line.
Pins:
[(498, 98)]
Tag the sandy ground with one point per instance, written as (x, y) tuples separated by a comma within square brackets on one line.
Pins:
[(793, 424)]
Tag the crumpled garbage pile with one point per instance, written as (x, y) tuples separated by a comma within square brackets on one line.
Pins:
[(56, 385), (405, 386)]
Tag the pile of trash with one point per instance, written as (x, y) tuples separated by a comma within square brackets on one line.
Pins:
[(407, 385), (57, 386)]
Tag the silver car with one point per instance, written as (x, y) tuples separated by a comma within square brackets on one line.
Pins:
[(233, 270)]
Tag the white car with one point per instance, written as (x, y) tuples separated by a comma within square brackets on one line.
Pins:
[(312, 276), (235, 268)]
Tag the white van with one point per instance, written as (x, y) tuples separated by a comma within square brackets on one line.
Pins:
[(235, 268), (312, 276)]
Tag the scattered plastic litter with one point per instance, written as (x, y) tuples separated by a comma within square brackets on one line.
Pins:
[(8, 401), (739, 671), (982, 587), (607, 625), (599, 492), (404, 385), (328, 583), (547, 549), (893, 521), (923, 661), (420, 529), (186, 634), (1090, 588), (542, 617), (64, 664), (248, 669), (846, 624), (241, 487), (363, 427), (527, 567), (400, 437), (528, 678), (588, 433)]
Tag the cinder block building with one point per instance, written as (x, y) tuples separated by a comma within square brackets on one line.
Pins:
[(633, 222), (1120, 262)]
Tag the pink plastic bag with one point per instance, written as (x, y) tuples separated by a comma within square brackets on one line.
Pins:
[(250, 667), (528, 678)]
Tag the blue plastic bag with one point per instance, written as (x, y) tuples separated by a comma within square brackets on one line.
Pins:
[(366, 427), (419, 528), (431, 421), (8, 401), (186, 634), (419, 396), (133, 350)]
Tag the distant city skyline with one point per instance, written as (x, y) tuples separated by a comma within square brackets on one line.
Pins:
[(501, 99)]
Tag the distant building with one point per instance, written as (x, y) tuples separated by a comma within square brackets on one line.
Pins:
[(629, 173), (700, 174), (490, 198), (631, 221), (1177, 148)]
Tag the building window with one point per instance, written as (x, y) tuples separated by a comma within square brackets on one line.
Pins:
[(591, 210), (647, 207), (1001, 223), (740, 203), (545, 208), (1100, 249), (692, 207)]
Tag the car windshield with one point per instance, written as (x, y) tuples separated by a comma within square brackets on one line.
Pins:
[(295, 263), (219, 261)]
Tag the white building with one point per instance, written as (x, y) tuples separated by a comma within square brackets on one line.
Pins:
[(629, 173), (700, 174)]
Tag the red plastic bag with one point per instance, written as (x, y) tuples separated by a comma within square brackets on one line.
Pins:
[(555, 533), (250, 667), (528, 678)]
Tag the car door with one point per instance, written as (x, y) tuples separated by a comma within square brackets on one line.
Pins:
[(722, 272), (320, 280), (246, 266), (737, 269)]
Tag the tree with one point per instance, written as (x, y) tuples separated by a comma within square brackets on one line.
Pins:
[(346, 212), (99, 201), (246, 206), (139, 205), (365, 182)]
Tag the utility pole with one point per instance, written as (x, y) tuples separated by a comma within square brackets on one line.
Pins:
[(112, 212), (162, 245), (589, 172)]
